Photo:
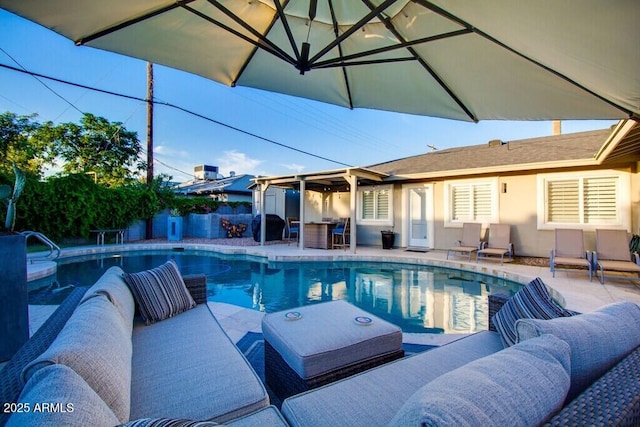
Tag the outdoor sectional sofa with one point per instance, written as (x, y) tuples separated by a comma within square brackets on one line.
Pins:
[(570, 370), (102, 366), (575, 369)]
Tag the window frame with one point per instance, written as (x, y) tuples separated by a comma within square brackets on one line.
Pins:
[(376, 188), (448, 200), (622, 199)]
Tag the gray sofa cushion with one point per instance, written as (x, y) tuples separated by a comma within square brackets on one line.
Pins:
[(112, 285), (187, 367), (531, 302), (375, 396), (160, 292), (311, 347), (96, 344), (267, 417), (77, 404), (521, 386), (598, 340)]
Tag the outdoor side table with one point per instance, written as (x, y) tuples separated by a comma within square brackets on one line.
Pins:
[(314, 345)]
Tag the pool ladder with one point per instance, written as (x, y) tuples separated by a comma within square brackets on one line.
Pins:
[(54, 250)]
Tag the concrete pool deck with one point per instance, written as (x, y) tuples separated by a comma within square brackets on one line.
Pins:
[(580, 294)]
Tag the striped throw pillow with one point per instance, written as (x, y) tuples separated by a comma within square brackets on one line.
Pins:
[(531, 302), (160, 293)]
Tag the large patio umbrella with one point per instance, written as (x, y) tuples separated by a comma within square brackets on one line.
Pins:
[(465, 60)]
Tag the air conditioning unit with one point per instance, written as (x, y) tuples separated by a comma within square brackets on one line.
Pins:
[(206, 172)]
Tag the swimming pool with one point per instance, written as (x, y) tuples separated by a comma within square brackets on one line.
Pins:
[(415, 297)]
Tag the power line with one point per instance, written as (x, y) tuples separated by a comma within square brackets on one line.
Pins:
[(35, 76), (177, 107)]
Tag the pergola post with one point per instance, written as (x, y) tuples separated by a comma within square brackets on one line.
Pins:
[(353, 192), (302, 215), (263, 216)]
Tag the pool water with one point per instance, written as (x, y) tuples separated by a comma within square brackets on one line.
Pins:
[(416, 298)]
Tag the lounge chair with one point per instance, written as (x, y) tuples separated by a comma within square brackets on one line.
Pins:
[(498, 244), (569, 251), (612, 254), (470, 242), (340, 234)]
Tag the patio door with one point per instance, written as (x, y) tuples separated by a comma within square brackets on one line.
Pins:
[(419, 205)]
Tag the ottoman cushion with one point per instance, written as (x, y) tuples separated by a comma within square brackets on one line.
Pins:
[(327, 337)]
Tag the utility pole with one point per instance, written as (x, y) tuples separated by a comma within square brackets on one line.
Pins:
[(149, 224)]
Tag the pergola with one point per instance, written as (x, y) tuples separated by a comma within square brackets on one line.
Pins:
[(346, 180)]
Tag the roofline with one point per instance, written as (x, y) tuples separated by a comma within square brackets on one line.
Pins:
[(620, 131), (319, 175)]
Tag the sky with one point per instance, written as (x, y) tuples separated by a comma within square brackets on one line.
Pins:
[(249, 128)]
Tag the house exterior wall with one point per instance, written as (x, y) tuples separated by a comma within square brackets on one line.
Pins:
[(518, 207)]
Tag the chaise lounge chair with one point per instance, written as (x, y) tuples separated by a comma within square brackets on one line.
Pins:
[(470, 242), (499, 243), (612, 254), (569, 252)]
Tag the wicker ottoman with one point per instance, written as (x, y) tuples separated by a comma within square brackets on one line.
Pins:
[(327, 342)]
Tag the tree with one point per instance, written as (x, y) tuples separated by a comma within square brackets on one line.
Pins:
[(98, 147), (22, 143)]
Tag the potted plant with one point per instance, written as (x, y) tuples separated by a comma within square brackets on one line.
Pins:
[(174, 226), (388, 239), (14, 310)]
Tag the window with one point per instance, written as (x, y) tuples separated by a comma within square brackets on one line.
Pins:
[(471, 201), (585, 200), (375, 205)]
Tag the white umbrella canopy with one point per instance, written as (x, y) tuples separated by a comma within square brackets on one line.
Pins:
[(457, 59)]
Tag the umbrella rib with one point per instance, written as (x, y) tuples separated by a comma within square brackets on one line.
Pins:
[(355, 27), (367, 62), (424, 64), (265, 41), (122, 25), (488, 37), (344, 70), (252, 54), (287, 29), (324, 64)]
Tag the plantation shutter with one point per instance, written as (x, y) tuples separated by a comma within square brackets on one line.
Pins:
[(600, 196), (563, 201), (461, 203), (382, 208), (482, 203), (368, 205)]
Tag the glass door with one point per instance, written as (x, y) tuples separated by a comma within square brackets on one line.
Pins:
[(420, 216)]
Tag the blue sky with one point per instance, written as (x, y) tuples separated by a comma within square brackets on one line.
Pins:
[(181, 141)]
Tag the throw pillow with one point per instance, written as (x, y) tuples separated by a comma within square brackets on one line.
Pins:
[(160, 293), (598, 340), (168, 422), (523, 385), (531, 302)]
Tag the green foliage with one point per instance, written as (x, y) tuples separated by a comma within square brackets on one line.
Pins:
[(70, 206), (21, 143), (10, 197)]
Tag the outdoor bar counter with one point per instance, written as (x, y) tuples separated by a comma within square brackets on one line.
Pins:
[(318, 234)]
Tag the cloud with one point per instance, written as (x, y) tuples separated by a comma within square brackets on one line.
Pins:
[(170, 152), (238, 162), (294, 167)]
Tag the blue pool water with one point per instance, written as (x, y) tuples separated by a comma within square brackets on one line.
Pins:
[(416, 298)]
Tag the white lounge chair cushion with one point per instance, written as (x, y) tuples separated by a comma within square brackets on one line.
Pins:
[(484, 393), (77, 404), (99, 353), (160, 292), (531, 302), (598, 340)]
